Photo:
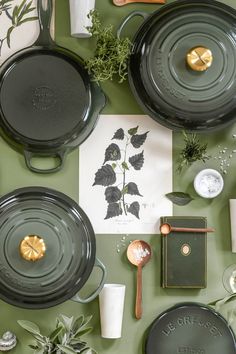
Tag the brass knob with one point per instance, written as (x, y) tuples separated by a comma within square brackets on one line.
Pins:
[(32, 248), (199, 58)]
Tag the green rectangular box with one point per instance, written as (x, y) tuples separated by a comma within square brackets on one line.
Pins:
[(184, 254)]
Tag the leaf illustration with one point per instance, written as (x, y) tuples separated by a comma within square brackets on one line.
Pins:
[(119, 134), (179, 198), (133, 131), (113, 165), (137, 161), (125, 166), (132, 188), (113, 209), (112, 194), (134, 209), (138, 140), (112, 153), (105, 176)]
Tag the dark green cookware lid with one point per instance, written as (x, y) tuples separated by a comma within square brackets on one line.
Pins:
[(190, 328), (167, 87), (70, 247)]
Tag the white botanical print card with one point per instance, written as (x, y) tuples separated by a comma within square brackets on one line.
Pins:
[(125, 170)]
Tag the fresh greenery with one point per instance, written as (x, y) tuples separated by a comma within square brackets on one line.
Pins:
[(111, 53), (65, 338), (179, 198), (113, 175), (193, 151), (18, 15)]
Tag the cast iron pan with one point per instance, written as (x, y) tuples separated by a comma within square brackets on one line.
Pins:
[(48, 103), (165, 86), (190, 328), (70, 249)]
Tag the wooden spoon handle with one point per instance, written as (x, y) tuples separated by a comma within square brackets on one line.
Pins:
[(192, 229), (126, 2), (138, 304)]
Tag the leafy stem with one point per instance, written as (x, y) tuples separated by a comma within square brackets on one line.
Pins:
[(124, 170)]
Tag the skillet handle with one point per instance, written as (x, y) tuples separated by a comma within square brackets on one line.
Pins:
[(45, 16), (91, 297), (143, 14), (29, 155)]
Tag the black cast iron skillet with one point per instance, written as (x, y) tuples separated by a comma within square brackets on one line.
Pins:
[(48, 103)]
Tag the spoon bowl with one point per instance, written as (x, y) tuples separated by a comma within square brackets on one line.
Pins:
[(139, 253)]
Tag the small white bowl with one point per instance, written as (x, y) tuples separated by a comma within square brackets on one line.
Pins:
[(208, 183)]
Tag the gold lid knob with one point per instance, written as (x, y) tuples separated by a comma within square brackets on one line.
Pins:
[(199, 58), (32, 248)]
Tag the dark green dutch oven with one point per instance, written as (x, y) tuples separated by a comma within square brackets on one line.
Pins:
[(48, 103), (70, 254), (190, 328), (166, 87)]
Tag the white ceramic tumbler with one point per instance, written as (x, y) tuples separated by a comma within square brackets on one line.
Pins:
[(79, 20), (111, 305), (232, 207)]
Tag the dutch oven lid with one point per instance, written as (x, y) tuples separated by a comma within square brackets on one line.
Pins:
[(32, 219), (190, 328), (185, 55)]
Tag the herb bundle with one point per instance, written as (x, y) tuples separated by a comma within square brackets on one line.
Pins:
[(111, 53), (192, 151)]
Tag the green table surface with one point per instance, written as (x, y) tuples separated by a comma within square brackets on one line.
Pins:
[(14, 174)]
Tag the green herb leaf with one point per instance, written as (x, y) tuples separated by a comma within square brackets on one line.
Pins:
[(111, 54), (29, 326), (66, 349), (124, 165), (179, 198), (55, 333)]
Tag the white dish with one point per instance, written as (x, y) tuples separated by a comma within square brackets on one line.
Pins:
[(208, 183)]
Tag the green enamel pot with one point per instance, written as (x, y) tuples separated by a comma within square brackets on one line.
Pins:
[(167, 85), (70, 255)]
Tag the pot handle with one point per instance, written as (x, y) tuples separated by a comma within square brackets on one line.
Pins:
[(143, 14), (45, 15), (91, 297), (29, 155)]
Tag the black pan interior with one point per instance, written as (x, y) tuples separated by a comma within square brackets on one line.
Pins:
[(44, 96)]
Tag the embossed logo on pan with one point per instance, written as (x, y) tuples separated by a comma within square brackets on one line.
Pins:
[(43, 98)]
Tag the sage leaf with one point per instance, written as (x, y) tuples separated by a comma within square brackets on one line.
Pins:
[(134, 209), (55, 333), (113, 209), (137, 161), (133, 131), (66, 349), (119, 134), (112, 194), (112, 153), (179, 198), (29, 326), (138, 140), (105, 176), (132, 189)]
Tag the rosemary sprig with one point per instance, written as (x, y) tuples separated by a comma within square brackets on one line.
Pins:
[(5, 5), (193, 151), (111, 53)]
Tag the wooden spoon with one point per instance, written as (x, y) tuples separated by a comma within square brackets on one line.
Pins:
[(167, 228), (139, 253), (125, 2)]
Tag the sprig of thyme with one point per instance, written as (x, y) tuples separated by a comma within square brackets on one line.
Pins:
[(193, 151), (111, 53)]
